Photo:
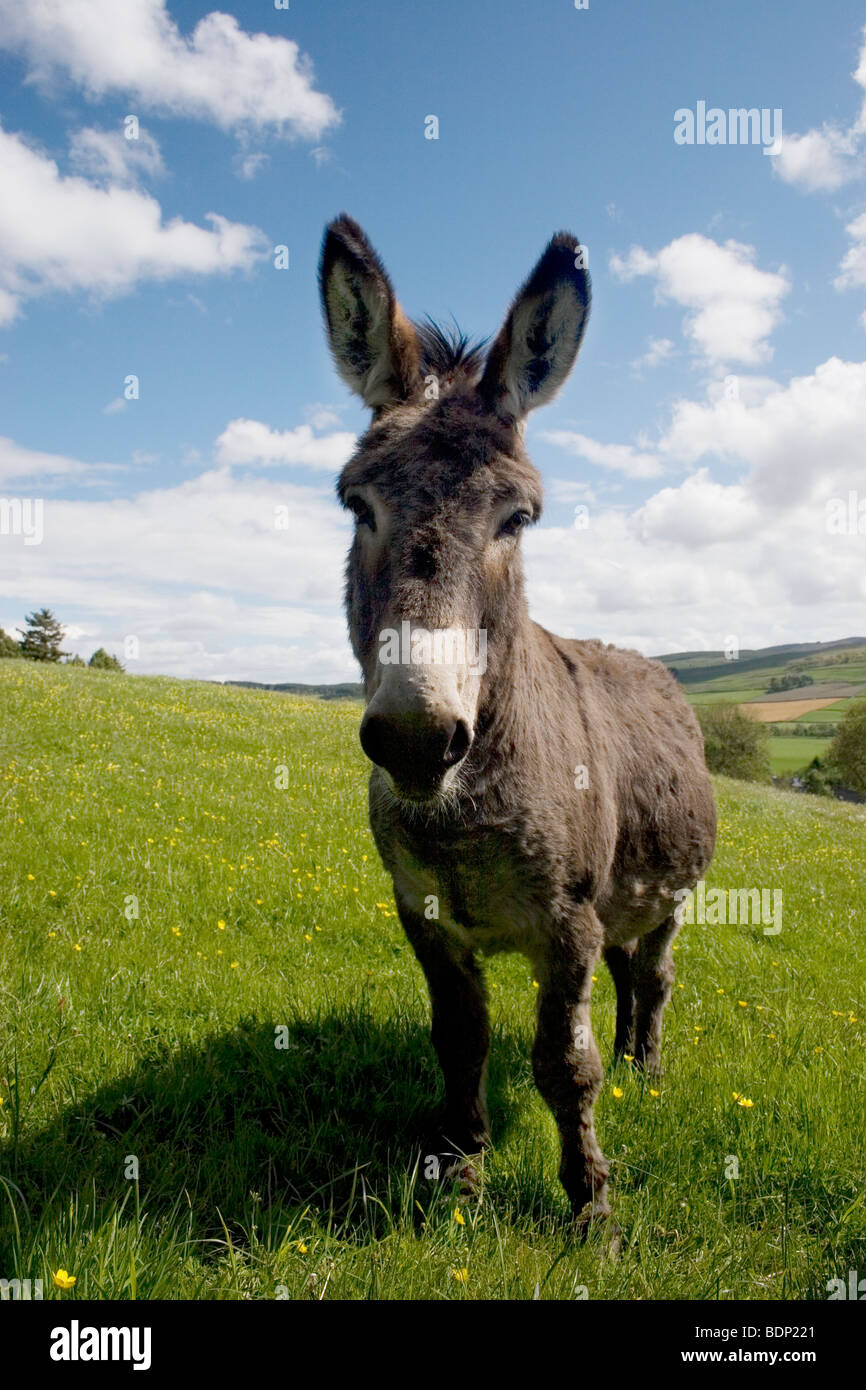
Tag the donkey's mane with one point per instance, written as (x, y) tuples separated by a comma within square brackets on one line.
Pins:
[(446, 350)]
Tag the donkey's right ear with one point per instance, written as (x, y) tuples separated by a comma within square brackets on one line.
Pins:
[(375, 347)]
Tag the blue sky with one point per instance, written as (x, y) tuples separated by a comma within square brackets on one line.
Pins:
[(718, 405)]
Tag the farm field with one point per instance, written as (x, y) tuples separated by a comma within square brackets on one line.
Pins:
[(203, 971), (792, 753), (736, 695), (783, 711), (826, 701), (830, 714)]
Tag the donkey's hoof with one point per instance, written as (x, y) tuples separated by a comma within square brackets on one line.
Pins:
[(445, 1161), (591, 1219), (467, 1177), (597, 1221)]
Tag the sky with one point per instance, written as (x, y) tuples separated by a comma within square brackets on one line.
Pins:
[(171, 423)]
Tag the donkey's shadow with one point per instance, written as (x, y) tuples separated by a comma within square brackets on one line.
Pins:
[(264, 1119)]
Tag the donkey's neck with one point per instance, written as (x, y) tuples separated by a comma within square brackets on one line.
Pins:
[(508, 711)]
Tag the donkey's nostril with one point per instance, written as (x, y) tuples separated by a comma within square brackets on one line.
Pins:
[(374, 739), (416, 751), (458, 744)]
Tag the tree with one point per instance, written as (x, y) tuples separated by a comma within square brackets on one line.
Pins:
[(73, 660), (819, 778), (734, 744), (102, 661), (42, 637), (848, 749), (791, 682), (8, 646)]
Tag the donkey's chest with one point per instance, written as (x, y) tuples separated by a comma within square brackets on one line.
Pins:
[(480, 899)]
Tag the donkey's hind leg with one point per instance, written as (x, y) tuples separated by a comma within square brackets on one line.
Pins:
[(460, 1032), (620, 963), (653, 979)]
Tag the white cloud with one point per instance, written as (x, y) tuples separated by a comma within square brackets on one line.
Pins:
[(799, 442), (568, 490), (699, 513), (246, 166), (853, 267), (819, 161), (111, 238), (115, 406), (658, 351), (219, 73), (19, 464), (201, 573), (734, 305), (702, 558), (696, 563), (322, 417), (251, 441), (107, 156), (823, 160), (618, 458)]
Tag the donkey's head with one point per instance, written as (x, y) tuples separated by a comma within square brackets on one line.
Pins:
[(441, 487)]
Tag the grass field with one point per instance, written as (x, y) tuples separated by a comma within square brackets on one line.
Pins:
[(793, 753), (203, 977), (830, 714), (737, 695)]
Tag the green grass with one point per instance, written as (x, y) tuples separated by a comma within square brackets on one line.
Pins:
[(265, 1170), (830, 714), (793, 752), (737, 695), (853, 672)]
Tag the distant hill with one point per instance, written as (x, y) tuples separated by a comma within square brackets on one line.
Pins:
[(347, 690), (692, 667)]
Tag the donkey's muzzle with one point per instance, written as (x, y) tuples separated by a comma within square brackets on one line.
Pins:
[(415, 749)]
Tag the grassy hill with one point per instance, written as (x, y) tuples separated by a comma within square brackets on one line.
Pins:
[(202, 969)]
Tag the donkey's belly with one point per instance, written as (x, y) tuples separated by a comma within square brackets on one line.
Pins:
[(484, 907)]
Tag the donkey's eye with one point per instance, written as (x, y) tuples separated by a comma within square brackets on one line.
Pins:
[(515, 523), (363, 513)]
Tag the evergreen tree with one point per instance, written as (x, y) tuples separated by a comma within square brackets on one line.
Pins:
[(102, 661), (42, 637)]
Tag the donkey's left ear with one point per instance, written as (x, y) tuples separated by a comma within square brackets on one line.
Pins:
[(375, 346), (535, 349)]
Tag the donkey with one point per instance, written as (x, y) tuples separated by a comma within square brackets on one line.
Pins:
[(551, 798)]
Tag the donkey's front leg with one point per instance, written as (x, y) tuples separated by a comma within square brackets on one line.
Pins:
[(460, 1031), (566, 1061)]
